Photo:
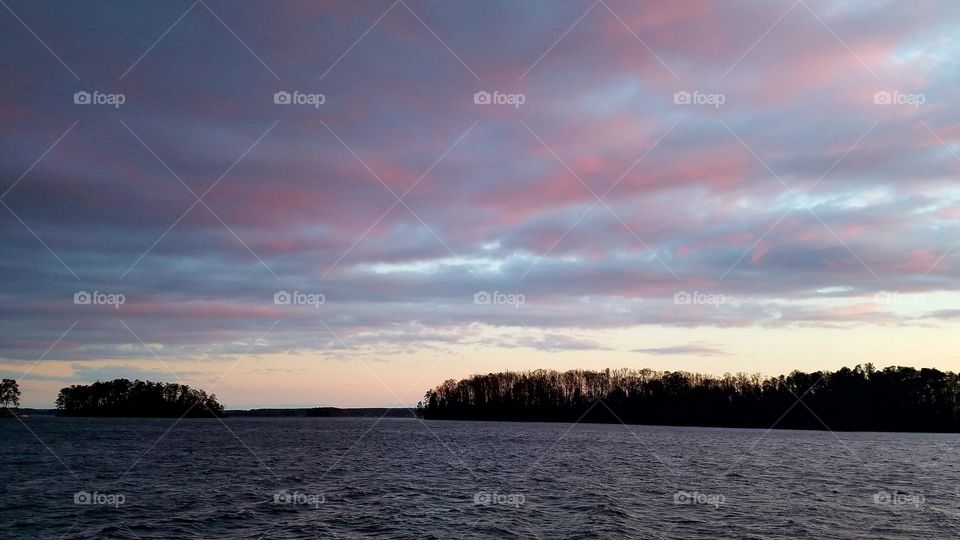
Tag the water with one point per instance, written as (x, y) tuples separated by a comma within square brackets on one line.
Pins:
[(397, 478)]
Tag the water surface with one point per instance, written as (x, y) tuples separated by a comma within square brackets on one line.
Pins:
[(395, 478)]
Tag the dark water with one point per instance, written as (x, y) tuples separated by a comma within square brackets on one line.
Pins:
[(355, 478)]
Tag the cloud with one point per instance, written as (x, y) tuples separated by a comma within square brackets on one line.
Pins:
[(560, 342), (691, 349), (798, 183)]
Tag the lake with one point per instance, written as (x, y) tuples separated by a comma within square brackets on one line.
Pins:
[(397, 478)]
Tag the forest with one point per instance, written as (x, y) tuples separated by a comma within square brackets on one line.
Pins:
[(143, 399), (858, 399)]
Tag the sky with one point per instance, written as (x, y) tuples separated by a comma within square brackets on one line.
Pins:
[(347, 203)]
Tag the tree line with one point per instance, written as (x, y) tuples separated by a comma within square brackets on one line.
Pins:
[(858, 399), (121, 397)]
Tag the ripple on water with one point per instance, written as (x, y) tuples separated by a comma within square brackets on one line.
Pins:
[(403, 480)]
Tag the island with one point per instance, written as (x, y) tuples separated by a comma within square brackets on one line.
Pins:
[(137, 399)]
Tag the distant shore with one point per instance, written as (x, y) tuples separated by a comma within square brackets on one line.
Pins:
[(327, 412)]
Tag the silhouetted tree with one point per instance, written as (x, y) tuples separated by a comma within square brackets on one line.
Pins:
[(120, 397), (862, 398), (9, 393)]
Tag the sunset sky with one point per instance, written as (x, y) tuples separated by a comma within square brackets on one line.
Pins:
[(712, 186)]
